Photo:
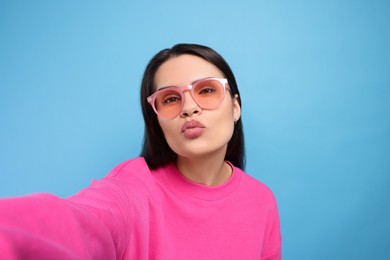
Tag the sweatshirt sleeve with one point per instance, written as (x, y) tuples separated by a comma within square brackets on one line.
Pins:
[(272, 246), (89, 225)]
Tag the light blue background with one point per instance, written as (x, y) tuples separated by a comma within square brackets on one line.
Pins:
[(314, 79)]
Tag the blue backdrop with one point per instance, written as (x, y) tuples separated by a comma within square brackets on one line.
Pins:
[(315, 83)]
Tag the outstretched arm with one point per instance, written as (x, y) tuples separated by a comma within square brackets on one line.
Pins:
[(89, 225)]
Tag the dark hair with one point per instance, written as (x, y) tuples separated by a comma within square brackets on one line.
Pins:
[(156, 150)]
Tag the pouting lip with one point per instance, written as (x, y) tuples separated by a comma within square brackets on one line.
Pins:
[(191, 124)]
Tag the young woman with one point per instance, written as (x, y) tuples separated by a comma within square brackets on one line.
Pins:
[(185, 197)]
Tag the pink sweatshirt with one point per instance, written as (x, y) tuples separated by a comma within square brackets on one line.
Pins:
[(136, 213)]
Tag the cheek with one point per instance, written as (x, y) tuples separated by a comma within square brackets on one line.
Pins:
[(227, 112), (169, 129), (171, 134), (223, 121)]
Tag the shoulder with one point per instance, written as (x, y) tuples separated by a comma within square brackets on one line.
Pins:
[(130, 175), (255, 188), (134, 171), (131, 166)]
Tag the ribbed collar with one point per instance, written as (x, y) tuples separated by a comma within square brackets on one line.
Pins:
[(178, 183)]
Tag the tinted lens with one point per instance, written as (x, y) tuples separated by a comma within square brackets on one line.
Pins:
[(208, 94), (168, 102)]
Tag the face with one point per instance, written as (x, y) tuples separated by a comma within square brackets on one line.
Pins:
[(196, 131)]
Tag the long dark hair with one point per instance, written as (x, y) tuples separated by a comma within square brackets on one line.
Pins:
[(156, 150)]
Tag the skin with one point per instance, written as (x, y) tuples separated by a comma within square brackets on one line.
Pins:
[(199, 159)]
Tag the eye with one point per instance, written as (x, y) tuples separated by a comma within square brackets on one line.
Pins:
[(170, 99), (206, 90), (207, 87)]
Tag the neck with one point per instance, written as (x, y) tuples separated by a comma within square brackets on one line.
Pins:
[(207, 170)]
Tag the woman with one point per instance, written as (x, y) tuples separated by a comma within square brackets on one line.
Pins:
[(186, 197)]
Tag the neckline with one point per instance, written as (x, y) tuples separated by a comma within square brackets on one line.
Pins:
[(177, 182)]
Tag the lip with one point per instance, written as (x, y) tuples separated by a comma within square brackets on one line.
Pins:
[(192, 129)]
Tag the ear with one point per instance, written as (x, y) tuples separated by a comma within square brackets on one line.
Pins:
[(236, 108)]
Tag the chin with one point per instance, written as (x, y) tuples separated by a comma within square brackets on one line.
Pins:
[(200, 150)]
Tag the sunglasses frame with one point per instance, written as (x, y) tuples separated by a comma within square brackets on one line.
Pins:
[(152, 98)]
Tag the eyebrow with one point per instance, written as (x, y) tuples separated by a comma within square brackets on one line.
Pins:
[(162, 88), (192, 83)]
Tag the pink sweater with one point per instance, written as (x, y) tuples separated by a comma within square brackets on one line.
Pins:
[(136, 213)]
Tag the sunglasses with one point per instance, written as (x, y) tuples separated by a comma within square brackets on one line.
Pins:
[(208, 94)]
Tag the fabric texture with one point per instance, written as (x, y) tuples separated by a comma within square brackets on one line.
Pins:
[(136, 213)]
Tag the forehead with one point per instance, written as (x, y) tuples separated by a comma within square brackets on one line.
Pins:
[(184, 69)]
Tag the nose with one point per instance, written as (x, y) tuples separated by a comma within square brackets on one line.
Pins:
[(190, 107)]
